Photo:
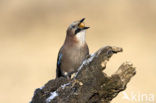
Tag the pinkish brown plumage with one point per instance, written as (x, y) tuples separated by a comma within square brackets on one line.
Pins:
[(73, 51)]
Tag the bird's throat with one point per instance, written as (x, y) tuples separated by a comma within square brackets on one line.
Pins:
[(81, 36)]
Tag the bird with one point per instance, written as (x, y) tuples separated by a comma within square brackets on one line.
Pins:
[(74, 50)]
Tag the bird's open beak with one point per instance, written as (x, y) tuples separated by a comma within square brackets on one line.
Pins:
[(82, 20), (82, 25)]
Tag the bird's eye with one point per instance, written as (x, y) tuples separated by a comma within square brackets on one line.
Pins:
[(73, 26)]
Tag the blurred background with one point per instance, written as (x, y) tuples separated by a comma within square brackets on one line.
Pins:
[(32, 31)]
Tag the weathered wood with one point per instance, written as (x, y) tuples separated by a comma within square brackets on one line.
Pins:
[(89, 84)]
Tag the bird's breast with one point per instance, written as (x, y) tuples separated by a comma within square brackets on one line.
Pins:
[(74, 56)]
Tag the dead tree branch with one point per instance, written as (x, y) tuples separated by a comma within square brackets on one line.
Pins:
[(90, 84)]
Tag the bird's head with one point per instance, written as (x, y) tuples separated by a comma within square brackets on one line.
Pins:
[(76, 27)]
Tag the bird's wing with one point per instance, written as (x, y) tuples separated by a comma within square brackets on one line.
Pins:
[(59, 59)]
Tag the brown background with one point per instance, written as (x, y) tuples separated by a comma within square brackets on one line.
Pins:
[(32, 31)]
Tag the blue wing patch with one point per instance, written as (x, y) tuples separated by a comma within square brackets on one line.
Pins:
[(59, 59), (59, 62)]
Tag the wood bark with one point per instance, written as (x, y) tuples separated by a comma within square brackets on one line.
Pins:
[(89, 84)]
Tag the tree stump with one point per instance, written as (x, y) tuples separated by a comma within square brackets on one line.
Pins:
[(89, 84)]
